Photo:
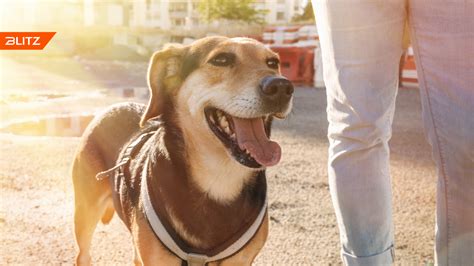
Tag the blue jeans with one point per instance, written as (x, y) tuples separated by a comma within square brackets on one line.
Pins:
[(361, 43)]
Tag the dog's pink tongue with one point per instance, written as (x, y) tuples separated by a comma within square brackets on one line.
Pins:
[(251, 135)]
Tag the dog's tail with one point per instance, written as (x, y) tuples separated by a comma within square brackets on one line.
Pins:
[(108, 215)]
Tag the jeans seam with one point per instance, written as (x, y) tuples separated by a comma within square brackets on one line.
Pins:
[(435, 131), (390, 249)]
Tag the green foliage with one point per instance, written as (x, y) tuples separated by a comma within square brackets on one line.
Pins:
[(307, 16), (240, 10)]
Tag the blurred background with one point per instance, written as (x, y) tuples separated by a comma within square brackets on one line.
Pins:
[(99, 56), (101, 49)]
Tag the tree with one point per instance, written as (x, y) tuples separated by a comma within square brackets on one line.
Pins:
[(240, 10), (307, 16)]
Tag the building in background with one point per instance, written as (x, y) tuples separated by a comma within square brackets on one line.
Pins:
[(173, 14), (280, 11), (165, 14), (150, 23), (24, 15)]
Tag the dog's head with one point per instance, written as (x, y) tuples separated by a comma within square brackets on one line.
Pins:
[(225, 93)]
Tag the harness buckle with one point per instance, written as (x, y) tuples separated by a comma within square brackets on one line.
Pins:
[(194, 259)]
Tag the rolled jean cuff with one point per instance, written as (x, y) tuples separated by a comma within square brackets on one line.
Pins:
[(386, 257)]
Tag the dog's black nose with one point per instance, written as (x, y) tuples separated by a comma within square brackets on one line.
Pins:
[(276, 88)]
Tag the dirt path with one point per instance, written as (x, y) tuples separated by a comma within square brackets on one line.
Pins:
[(36, 199)]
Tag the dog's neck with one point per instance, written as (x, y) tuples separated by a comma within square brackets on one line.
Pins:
[(220, 178), (211, 168), (202, 222)]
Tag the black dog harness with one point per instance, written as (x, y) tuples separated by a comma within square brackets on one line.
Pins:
[(191, 259)]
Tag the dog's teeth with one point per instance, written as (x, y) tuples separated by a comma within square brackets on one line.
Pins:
[(232, 136), (227, 130), (224, 122)]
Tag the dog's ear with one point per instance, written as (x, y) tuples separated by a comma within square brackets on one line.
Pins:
[(164, 75)]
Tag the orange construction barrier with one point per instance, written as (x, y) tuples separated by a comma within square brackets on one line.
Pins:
[(296, 63), (409, 75)]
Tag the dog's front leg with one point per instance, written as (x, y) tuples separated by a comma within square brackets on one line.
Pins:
[(136, 258), (149, 250), (247, 255)]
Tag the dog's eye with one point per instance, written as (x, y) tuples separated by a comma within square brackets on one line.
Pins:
[(223, 59), (273, 63)]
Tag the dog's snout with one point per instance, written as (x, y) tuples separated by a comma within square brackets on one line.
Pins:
[(276, 88)]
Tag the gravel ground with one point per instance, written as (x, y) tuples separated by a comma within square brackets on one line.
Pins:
[(36, 195)]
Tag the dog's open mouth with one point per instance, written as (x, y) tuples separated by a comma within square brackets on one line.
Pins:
[(245, 138)]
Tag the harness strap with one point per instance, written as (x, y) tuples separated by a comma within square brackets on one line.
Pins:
[(128, 154), (191, 258), (102, 175)]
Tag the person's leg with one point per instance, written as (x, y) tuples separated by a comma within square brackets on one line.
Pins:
[(403, 58), (361, 45), (443, 41)]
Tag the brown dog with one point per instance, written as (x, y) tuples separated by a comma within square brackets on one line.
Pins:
[(192, 162)]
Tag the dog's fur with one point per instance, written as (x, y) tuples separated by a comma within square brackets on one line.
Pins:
[(205, 196)]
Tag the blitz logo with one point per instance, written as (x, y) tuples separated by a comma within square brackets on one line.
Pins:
[(20, 41), (25, 40)]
